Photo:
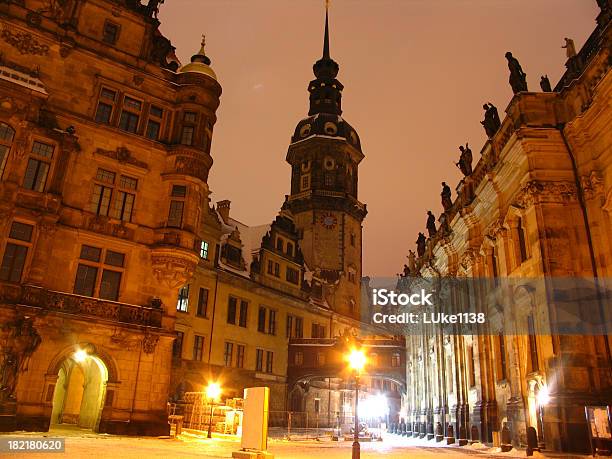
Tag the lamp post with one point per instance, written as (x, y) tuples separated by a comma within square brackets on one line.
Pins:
[(212, 392), (357, 361)]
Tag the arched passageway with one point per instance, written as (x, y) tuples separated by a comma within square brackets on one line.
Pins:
[(80, 391)]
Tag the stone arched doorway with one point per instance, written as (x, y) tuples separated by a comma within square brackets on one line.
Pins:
[(80, 391)]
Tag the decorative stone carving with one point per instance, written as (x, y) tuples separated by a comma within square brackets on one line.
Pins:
[(171, 269), (24, 42), (536, 192), (102, 224), (19, 344), (592, 185), (124, 156), (149, 342), (191, 166)]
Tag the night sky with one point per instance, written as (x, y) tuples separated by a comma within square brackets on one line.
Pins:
[(416, 73)]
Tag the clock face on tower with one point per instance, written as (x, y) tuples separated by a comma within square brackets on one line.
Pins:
[(329, 220)]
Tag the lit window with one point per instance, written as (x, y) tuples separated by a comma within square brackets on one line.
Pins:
[(204, 250), (182, 303)]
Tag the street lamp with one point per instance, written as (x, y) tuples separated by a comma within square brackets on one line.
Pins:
[(213, 391), (357, 361), (80, 355)]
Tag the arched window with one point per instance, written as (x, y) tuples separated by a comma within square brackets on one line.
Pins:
[(7, 134)]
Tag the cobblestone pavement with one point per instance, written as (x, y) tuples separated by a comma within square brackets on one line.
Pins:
[(85, 444)]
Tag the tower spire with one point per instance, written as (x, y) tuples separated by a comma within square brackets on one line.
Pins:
[(326, 39)]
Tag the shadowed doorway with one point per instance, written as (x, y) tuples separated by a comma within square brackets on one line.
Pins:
[(80, 390)]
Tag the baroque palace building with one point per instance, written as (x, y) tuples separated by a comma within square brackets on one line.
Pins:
[(121, 286), (104, 161), (536, 206)]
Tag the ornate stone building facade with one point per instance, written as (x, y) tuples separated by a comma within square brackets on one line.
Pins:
[(536, 205), (121, 286), (104, 160), (267, 302)]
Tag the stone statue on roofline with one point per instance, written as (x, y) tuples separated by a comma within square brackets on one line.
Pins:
[(444, 226), (431, 224), (447, 201), (545, 84), (491, 122), (465, 160), (570, 48), (518, 78), (420, 242)]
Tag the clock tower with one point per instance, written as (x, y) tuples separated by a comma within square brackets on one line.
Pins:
[(324, 155)]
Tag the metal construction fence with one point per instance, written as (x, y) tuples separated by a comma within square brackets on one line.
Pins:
[(297, 425)]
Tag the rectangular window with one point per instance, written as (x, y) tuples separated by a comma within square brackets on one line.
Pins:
[(182, 303), (533, 345), (259, 355), (329, 180), (94, 278), (289, 249), (271, 322), (123, 206), (293, 275), (175, 214), (154, 122), (501, 347), (305, 182), (269, 361), (244, 308), (240, 356), (396, 359), (177, 346), (110, 33), (261, 320), (318, 331), (129, 121), (190, 117), (204, 250), (198, 347), (130, 115), (471, 366), (522, 242), (231, 310), (298, 358), (106, 104), (203, 303), (15, 254), (109, 285), (85, 283), (299, 327), (317, 405), (289, 327), (228, 354), (276, 269), (187, 135), (179, 191), (38, 166), (320, 359)]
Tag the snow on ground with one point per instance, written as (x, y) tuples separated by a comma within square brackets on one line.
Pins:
[(85, 444)]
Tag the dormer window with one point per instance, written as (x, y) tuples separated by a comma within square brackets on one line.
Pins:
[(279, 244), (110, 32)]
